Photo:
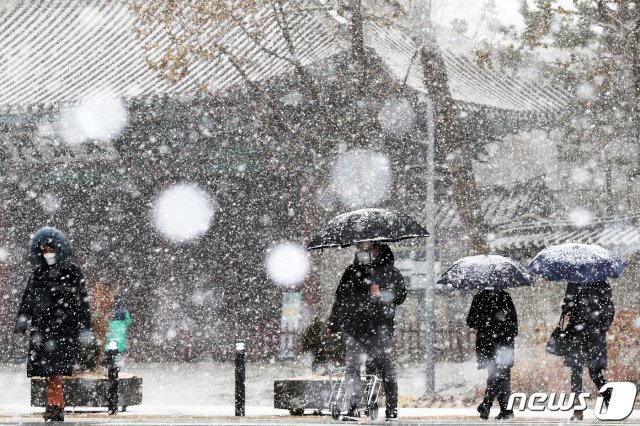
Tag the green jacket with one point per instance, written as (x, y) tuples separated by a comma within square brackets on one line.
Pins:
[(118, 332)]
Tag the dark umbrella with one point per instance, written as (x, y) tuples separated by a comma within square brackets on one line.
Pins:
[(366, 225), (576, 263), (483, 271)]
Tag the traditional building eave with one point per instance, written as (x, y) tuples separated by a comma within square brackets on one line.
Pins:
[(56, 52)]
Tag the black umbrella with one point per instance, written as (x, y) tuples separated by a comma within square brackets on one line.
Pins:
[(366, 225)]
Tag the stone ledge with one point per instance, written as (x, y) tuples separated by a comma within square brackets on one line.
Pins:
[(296, 395), (90, 390)]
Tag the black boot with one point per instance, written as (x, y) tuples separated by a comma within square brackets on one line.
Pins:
[(47, 413), (505, 415), (53, 414), (578, 416), (483, 409), (352, 415), (391, 413)]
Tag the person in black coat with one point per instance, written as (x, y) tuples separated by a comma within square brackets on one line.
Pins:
[(493, 316), (55, 311), (588, 312), (364, 308)]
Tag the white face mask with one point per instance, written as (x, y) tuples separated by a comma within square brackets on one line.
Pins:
[(50, 258), (364, 257)]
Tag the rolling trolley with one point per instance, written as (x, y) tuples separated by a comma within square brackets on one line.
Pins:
[(369, 391)]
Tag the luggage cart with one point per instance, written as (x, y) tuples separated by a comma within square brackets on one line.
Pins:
[(368, 396)]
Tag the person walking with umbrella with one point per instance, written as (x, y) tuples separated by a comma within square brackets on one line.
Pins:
[(587, 310), (364, 308), (368, 293), (493, 316), (55, 310)]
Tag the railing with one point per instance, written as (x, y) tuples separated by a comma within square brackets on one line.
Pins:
[(454, 343)]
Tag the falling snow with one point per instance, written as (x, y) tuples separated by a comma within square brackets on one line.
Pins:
[(183, 212), (216, 166), (287, 264)]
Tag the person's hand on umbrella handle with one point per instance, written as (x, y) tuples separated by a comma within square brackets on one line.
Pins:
[(374, 290)]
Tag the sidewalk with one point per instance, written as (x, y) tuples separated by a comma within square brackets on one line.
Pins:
[(221, 415), (212, 383), (204, 393)]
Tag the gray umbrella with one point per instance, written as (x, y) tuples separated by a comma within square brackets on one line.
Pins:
[(366, 225), (484, 271)]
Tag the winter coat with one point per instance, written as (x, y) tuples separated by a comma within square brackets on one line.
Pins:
[(118, 329), (591, 312), (493, 316), (54, 308), (354, 309)]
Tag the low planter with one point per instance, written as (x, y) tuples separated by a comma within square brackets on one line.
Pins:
[(299, 394), (90, 390)]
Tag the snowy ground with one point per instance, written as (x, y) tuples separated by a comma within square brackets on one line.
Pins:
[(203, 392)]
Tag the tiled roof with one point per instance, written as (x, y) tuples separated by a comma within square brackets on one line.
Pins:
[(526, 217), (621, 235), (529, 201), (468, 83), (58, 51)]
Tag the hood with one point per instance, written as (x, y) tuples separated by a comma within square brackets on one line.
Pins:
[(57, 240), (385, 256)]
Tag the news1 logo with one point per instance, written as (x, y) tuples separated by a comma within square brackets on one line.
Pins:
[(623, 397)]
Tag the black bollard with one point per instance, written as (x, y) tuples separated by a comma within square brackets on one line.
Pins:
[(112, 369), (240, 376)]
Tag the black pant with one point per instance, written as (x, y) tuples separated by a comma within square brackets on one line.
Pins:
[(375, 351), (498, 386), (576, 378)]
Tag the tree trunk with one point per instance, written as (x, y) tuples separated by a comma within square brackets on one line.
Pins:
[(355, 124), (459, 159), (357, 46)]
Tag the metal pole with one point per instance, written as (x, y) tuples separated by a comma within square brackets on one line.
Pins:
[(112, 369), (240, 377), (423, 27), (428, 305)]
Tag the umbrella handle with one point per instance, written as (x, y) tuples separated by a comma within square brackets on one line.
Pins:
[(372, 276)]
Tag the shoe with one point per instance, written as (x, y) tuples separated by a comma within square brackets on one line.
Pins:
[(577, 416), (391, 413), (484, 411), (352, 415), (505, 415), (53, 414), (47, 413)]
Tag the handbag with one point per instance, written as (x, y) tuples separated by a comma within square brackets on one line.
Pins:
[(560, 341)]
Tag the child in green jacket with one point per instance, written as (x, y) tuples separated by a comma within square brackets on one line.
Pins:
[(118, 326)]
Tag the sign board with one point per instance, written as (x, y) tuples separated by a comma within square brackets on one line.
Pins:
[(290, 324)]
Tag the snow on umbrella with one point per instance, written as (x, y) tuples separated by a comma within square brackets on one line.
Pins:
[(484, 271), (366, 225), (576, 263)]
